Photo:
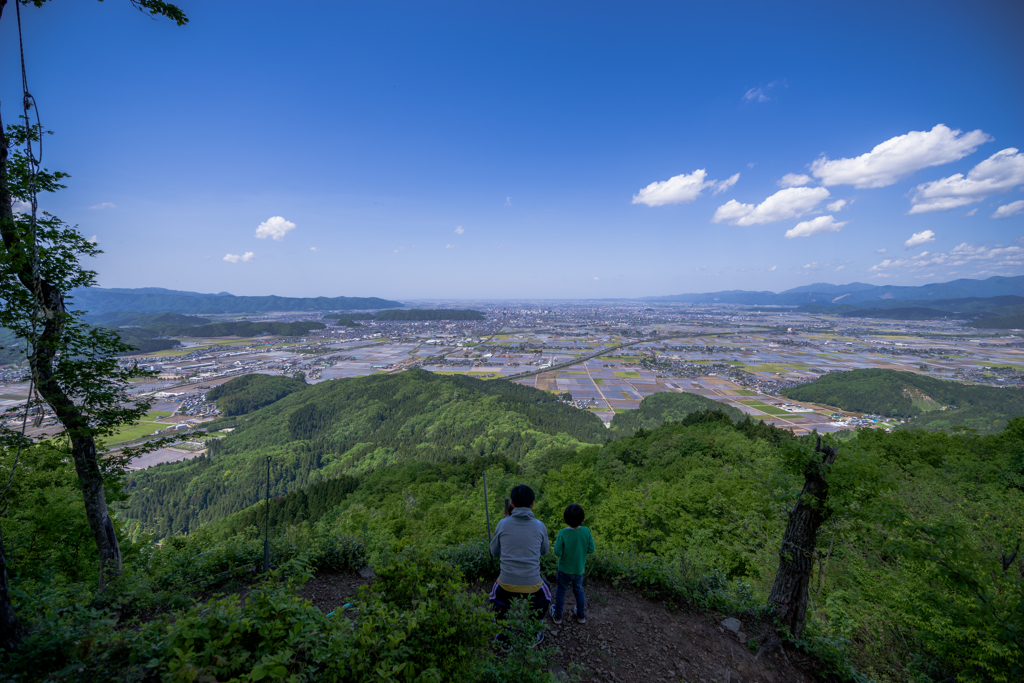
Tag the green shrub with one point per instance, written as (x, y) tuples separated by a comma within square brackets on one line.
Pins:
[(453, 626)]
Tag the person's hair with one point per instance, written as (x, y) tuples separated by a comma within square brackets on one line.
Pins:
[(573, 515), (522, 496), (508, 507)]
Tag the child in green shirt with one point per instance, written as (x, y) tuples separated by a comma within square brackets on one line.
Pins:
[(571, 547)]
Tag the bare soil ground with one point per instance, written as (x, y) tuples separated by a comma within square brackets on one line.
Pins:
[(631, 639)]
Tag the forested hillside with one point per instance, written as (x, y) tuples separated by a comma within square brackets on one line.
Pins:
[(251, 392), (914, 519), (934, 403), (350, 426), (657, 409)]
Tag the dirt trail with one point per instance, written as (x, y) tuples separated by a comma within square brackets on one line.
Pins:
[(628, 638)]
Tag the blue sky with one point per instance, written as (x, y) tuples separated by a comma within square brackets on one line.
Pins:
[(532, 150)]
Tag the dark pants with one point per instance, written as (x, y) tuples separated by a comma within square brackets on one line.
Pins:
[(564, 582), (501, 600)]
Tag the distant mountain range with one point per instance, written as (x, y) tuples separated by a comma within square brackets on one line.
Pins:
[(856, 293), (98, 300)]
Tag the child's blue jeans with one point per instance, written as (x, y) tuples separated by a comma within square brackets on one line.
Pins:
[(564, 581)]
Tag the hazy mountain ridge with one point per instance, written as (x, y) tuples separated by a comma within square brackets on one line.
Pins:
[(856, 292), (97, 300)]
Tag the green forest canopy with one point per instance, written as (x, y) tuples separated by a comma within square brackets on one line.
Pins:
[(247, 393), (934, 403), (348, 426)]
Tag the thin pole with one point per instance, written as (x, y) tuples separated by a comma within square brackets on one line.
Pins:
[(487, 511), (266, 526)]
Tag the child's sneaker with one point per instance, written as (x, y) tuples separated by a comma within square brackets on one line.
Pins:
[(551, 611), (501, 640), (579, 619), (540, 639)]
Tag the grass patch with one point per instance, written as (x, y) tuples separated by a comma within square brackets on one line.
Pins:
[(598, 380), (628, 375)]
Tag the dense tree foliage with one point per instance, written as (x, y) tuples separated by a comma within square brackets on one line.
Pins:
[(1006, 322), (247, 393), (351, 426), (657, 409), (937, 403)]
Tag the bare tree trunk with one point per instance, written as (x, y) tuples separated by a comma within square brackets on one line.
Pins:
[(796, 556), (44, 350)]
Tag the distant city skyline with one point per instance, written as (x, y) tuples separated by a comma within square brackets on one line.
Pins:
[(459, 151)]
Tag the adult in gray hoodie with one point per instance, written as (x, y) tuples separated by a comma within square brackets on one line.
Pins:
[(519, 541)]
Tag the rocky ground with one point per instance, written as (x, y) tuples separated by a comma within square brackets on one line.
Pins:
[(628, 638)]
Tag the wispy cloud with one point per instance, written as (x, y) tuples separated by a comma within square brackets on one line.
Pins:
[(449, 246), (898, 157), (963, 254), (314, 248), (93, 240), (459, 230), (794, 180), (508, 201), (596, 277), (881, 250), (1001, 172), (103, 205), (275, 227), (919, 238), (773, 269), (682, 189), (837, 205), (815, 226), (1007, 210), (792, 202), (244, 258), (971, 212)]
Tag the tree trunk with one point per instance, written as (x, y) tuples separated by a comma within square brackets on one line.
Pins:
[(50, 301), (796, 556)]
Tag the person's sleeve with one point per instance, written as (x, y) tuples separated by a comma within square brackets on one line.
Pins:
[(496, 542), (559, 544), (545, 546), (590, 540)]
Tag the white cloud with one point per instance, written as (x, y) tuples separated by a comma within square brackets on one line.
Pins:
[(792, 202), (809, 266), (963, 254), (19, 206), (971, 212), (726, 184), (840, 268), (881, 250), (919, 238), (244, 258), (103, 205), (815, 226), (794, 180), (837, 205), (898, 157), (596, 277), (681, 189), (508, 201), (751, 164), (275, 228), (773, 269), (314, 248), (449, 246), (1007, 210), (755, 95), (93, 240), (1001, 172), (459, 230)]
